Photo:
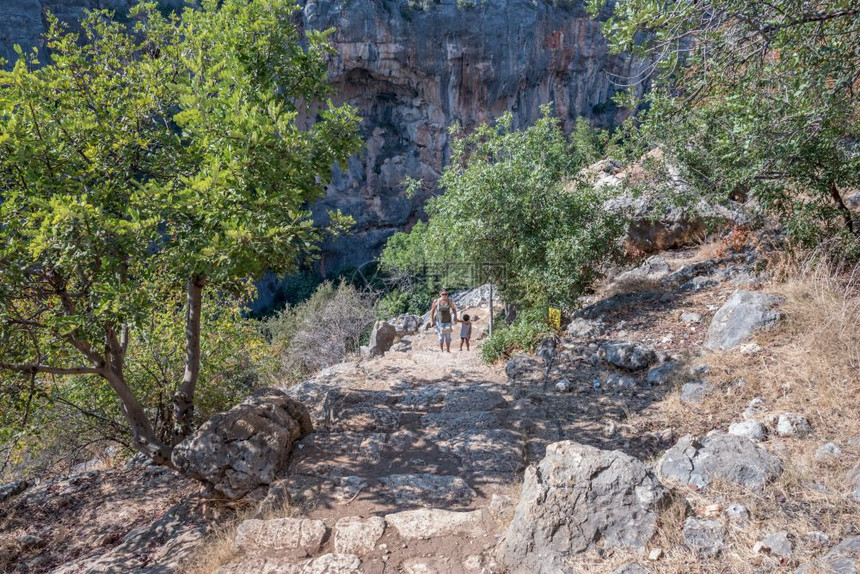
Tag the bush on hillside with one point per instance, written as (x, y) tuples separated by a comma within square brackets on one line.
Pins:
[(522, 335), (319, 332), (505, 208)]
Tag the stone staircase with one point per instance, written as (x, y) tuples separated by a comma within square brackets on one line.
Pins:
[(410, 468)]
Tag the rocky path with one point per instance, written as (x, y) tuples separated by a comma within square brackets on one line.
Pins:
[(428, 443), (418, 456)]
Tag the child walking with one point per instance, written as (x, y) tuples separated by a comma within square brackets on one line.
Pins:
[(465, 332)]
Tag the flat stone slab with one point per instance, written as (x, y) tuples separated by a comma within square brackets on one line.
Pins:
[(296, 537), (434, 522), (492, 450), (262, 566), (473, 399), (356, 535), (727, 457), (428, 490)]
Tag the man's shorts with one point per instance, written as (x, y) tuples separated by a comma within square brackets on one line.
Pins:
[(444, 331)]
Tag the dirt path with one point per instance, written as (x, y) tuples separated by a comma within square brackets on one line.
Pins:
[(413, 429)]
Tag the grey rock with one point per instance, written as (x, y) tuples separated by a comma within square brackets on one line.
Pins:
[(563, 386), (751, 429), (778, 544), (428, 490), (749, 349), (661, 374), (742, 315), (11, 489), (241, 450), (406, 324), (687, 273), (695, 392), (817, 538), (432, 522), (737, 512), (296, 537), (618, 380), (699, 370), (381, 338), (699, 284), (854, 482), (169, 541), (652, 269), (31, 541), (630, 355), (403, 346), (577, 497), (652, 225), (755, 408), (630, 568), (580, 328), (706, 537), (690, 318), (793, 424), (721, 456), (335, 563), (501, 507), (844, 558), (356, 535), (828, 451), (497, 451)]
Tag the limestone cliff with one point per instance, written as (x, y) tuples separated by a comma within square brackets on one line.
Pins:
[(412, 68), (413, 71)]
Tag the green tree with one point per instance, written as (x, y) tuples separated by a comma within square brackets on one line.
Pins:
[(173, 154), (754, 99), (507, 201)]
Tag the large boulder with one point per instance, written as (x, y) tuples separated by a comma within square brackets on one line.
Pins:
[(722, 456), (742, 315), (630, 355), (406, 324), (844, 558), (381, 339), (242, 449), (576, 497)]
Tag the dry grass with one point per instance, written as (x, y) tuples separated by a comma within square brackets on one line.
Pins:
[(809, 365)]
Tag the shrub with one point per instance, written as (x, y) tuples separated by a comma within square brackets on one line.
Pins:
[(523, 334), (319, 332)]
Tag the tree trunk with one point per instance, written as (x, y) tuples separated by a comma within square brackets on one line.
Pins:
[(145, 440), (183, 398), (846, 213)]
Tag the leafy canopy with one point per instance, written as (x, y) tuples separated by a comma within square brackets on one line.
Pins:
[(755, 99), (178, 154), (505, 204)]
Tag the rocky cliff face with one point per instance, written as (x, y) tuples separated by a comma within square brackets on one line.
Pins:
[(413, 71), (412, 68)]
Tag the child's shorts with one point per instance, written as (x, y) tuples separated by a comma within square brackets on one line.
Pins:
[(444, 331)]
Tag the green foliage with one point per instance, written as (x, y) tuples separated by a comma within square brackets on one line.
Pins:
[(522, 335), (65, 415), (505, 203), (319, 332), (138, 163), (754, 100)]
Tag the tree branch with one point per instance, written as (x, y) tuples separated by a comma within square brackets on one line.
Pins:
[(31, 369)]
